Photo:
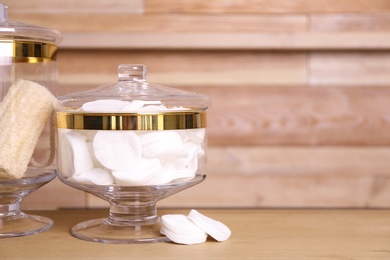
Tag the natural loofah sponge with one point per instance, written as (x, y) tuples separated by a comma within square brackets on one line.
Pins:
[(23, 114)]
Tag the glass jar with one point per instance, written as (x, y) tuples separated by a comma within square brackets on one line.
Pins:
[(131, 133), (28, 53), (28, 73)]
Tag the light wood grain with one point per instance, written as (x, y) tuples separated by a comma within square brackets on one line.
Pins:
[(85, 21), (111, 25), (350, 22), (298, 116), (74, 6), (261, 176), (279, 191), (259, 6), (228, 41), (182, 68), (256, 234), (55, 195), (272, 161), (194, 6), (350, 68), (287, 177)]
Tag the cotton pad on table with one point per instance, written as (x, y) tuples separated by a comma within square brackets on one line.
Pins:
[(214, 228), (181, 230)]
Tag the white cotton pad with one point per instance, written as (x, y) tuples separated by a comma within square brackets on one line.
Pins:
[(196, 135), (133, 106), (181, 230), (215, 229), (65, 153), (163, 144), (105, 105), (117, 150), (187, 167), (161, 108), (95, 161), (148, 171), (153, 108), (95, 176), (136, 105), (82, 160)]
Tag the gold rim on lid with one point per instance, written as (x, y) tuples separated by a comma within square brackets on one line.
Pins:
[(118, 121), (28, 52)]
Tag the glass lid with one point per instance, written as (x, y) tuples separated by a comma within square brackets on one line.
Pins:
[(132, 104), (133, 94), (16, 31)]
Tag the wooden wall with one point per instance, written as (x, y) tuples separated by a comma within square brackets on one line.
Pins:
[(300, 89)]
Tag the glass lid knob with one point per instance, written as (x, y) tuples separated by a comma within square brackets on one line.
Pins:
[(3, 12), (131, 72)]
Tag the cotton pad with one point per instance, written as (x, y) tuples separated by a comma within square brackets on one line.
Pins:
[(163, 144), (215, 229), (187, 167), (191, 229), (181, 230), (117, 150), (136, 105), (161, 108), (152, 108), (95, 176), (148, 171), (82, 160), (197, 135), (107, 105)]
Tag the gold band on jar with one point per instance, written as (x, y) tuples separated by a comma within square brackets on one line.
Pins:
[(118, 121), (28, 52)]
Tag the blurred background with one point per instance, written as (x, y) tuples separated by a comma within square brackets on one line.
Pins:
[(300, 90)]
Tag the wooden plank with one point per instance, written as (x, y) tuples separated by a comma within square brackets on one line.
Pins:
[(281, 192), (164, 23), (195, 6), (288, 177), (228, 41), (260, 6), (289, 161), (183, 68), (243, 112), (378, 22), (266, 177), (75, 6), (210, 31), (350, 68), (55, 195), (271, 234), (195, 25), (298, 116)]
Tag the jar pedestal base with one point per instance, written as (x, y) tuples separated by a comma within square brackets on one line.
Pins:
[(99, 230)]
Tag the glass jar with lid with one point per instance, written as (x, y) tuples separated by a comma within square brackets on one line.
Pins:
[(28, 55), (28, 81), (131, 143)]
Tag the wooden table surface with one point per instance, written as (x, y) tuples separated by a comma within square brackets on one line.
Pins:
[(256, 234)]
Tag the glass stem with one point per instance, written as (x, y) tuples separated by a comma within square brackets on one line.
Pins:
[(135, 213), (8, 210)]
